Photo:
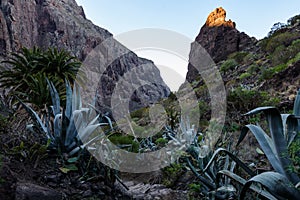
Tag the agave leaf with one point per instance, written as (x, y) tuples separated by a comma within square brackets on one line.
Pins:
[(34, 115), (109, 122), (277, 184), (276, 129), (258, 110), (57, 126), (297, 104), (245, 130), (71, 133), (242, 181), (265, 144), (207, 184), (94, 120), (74, 151), (86, 133), (233, 157), (76, 100), (290, 123), (68, 100), (73, 160), (106, 117), (78, 148), (54, 97), (85, 116), (79, 121)]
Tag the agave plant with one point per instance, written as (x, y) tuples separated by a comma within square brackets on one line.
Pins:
[(284, 129), (209, 167), (66, 128)]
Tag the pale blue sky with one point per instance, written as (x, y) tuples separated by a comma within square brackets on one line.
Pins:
[(254, 17)]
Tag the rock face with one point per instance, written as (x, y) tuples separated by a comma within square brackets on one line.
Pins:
[(62, 24), (219, 38)]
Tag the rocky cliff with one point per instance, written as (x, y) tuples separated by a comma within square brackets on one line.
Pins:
[(62, 24), (219, 38)]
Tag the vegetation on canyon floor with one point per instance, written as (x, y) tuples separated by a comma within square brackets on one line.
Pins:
[(51, 131)]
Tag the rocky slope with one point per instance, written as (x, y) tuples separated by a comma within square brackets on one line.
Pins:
[(62, 24), (219, 38), (254, 72)]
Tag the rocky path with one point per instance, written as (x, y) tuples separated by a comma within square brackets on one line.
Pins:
[(147, 186), (142, 191)]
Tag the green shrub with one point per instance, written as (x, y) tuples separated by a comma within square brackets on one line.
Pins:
[(250, 58), (124, 141), (283, 54), (267, 99), (172, 173), (280, 68), (244, 75), (280, 55), (254, 68), (294, 152), (295, 46), (229, 64), (195, 187), (294, 60), (270, 44), (161, 141), (238, 56), (266, 73), (242, 99), (140, 113)]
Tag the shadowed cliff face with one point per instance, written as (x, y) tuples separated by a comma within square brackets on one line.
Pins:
[(220, 38), (62, 24)]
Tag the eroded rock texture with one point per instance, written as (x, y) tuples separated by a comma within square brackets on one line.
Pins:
[(219, 38), (62, 24)]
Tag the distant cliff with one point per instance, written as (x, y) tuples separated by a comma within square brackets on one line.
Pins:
[(62, 24), (220, 38)]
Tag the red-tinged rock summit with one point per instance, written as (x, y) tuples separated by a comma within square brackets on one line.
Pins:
[(219, 38), (218, 18)]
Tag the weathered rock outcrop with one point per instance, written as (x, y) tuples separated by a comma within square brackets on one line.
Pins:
[(218, 18), (62, 24), (220, 38)]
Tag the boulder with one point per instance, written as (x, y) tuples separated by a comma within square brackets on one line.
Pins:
[(29, 191)]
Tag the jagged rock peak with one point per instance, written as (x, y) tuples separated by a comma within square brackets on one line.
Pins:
[(218, 18), (219, 38)]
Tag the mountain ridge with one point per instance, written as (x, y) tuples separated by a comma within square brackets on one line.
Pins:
[(63, 25)]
